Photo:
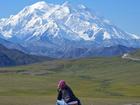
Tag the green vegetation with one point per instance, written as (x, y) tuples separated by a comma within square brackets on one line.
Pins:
[(136, 54), (97, 81)]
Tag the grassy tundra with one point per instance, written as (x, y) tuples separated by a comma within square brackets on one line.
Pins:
[(96, 81)]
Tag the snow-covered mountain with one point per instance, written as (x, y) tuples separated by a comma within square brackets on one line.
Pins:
[(63, 31)]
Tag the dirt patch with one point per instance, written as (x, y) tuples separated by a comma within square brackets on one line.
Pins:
[(25, 72)]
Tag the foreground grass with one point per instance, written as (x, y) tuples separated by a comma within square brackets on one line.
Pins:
[(97, 81), (45, 100)]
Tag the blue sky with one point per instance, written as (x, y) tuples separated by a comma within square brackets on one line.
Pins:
[(124, 13)]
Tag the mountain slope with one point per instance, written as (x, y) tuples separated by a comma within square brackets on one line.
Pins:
[(11, 57), (50, 29), (11, 45)]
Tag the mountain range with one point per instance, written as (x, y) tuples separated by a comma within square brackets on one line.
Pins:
[(64, 31)]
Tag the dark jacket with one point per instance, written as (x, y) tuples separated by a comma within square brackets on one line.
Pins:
[(67, 95)]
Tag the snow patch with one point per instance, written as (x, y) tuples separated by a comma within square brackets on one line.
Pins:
[(106, 35), (81, 6)]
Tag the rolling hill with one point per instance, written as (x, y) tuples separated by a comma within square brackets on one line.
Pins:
[(136, 53), (13, 57)]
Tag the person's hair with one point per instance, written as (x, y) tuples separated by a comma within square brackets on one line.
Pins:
[(61, 84)]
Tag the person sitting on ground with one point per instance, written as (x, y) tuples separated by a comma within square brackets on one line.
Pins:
[(66, 95)]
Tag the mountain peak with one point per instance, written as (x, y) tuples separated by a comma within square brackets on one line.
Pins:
[(42, 5), (39, 4)]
